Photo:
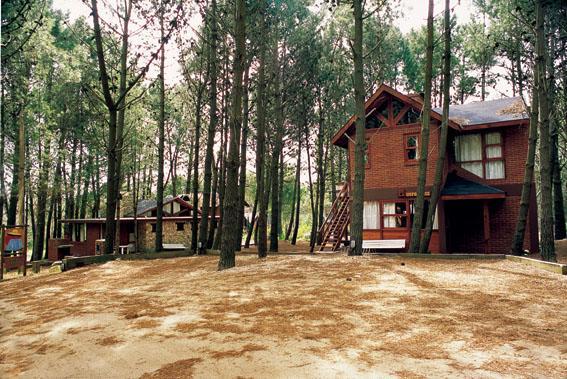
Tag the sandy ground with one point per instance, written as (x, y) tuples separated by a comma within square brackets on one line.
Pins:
[(286, 317)]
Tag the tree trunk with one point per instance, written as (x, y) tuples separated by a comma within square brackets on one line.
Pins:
[(42, 199), (546, 233), (298, 181), (161, 141), (424, 140), (360, 140), (21, 168), (213, 119), (261, 137), (440, 164), (252, 222), (3, 202), (213, 207), (292, 210), (196, 150), (230, 229), (243, 148), (278, 142)]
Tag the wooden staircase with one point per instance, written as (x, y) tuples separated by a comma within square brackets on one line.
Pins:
[(334, 229)]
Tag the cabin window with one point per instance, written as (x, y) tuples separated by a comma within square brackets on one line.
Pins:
[(410, 117), (80, 233), (153, 227), (394, 214), (494, 165), (371, 217), (180, 226), (468, 152), (411, 142), (481, 156), (397, 107)]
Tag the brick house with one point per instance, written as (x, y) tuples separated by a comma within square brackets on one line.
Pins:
[(177, 218), (482, 179)]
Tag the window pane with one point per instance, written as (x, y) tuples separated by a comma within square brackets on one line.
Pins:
[(389, 209), (401, 208), (411, 141), (468, 148), (494, 152), (370, 217), (401, 221), (495, 170), (493, 138), (389, 221), (411, 154), (474, 167)]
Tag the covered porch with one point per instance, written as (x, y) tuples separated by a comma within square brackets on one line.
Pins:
[(466, 209)]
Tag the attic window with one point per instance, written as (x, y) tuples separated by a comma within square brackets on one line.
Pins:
[(180, 226), (410, 117), (153, 227), (397, 106)]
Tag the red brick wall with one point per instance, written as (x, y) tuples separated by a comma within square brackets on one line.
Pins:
[(386, 152), (389, 170)]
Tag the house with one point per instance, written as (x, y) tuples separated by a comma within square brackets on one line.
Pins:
[(87, 233), (482, 178)]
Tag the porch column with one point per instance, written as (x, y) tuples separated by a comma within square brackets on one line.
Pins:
[(486, 222)]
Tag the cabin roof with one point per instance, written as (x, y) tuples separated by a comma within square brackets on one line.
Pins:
[(146, 205), (475, 115), (456, 185), (487, 112)]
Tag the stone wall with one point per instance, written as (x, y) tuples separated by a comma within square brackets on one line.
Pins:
[(147, 238)]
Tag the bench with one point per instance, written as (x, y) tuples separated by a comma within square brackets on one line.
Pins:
[(173, 246), (369, 245)]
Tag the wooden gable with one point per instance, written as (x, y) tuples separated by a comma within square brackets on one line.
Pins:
[(386, 108)]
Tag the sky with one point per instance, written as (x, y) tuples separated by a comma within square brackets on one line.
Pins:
[(414, 14), (414, 11)]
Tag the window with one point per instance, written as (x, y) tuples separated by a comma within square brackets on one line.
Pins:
[(153, 227), (80, 233), (394, 214), (481, 156), (410, 117), (411, 143), (180, 226), (494, 165), (371, 217), (468, 152)]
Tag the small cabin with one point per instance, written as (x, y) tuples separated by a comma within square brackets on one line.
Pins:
[(85, 235)]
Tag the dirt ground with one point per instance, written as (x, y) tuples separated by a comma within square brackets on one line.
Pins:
[(286, 317)]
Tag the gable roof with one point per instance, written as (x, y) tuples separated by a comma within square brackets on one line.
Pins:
[(461, 117), (147, 205), (487, 112), (339, 138)]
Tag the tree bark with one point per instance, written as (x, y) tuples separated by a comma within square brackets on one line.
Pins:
[(261, 137), (161, 139), (230, 229), (213, 119), (243, 148), (278, 142), (424, 140), (298, 181), (440, 164), (547, 245), (360, 139)]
